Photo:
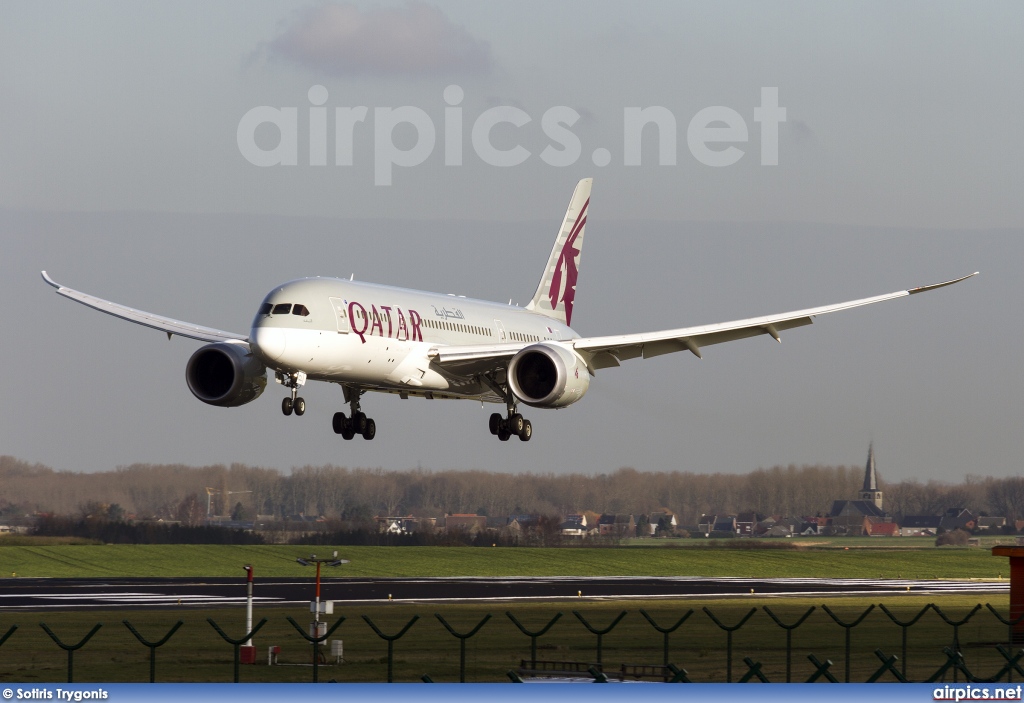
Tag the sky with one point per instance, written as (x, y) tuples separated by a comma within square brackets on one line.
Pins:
[(184, 158)]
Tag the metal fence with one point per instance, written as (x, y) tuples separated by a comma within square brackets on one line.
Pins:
[(681, 635)]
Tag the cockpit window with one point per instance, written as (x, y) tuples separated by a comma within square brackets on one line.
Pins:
[(282, 308), (300, 310), (265, 309)]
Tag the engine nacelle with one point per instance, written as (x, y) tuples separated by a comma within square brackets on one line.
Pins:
[(547, 375), (227, 375)]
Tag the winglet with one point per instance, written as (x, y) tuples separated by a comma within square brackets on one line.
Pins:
[(922, 289), (46, 277)]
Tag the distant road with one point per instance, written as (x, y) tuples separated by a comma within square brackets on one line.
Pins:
[(80, 594)]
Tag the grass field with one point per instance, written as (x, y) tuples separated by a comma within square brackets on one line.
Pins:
[(91, 561), (196, 653)]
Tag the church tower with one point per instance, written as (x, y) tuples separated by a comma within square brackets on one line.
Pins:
[(870, 490)]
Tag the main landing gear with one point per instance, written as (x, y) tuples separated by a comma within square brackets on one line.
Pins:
[(358, 423), (514, 424), (294, 403)]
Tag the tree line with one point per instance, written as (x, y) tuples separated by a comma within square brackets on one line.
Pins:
[(178, 492)]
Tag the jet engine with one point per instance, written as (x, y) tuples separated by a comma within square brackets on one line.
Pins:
[(547, 375), (227, 375)]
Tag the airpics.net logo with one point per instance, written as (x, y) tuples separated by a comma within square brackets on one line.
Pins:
[(715, 135)]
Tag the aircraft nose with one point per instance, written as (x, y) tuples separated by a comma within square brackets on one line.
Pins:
[(270, 342)]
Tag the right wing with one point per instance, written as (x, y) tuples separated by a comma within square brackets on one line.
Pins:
[(603, 352), (148, 319)]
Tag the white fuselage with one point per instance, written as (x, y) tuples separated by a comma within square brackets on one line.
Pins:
[(381, 337)]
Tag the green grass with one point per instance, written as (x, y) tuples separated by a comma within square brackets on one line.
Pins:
[(91, 561), (196, 652)]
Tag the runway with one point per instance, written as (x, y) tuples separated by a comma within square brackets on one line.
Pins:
[(81, 594)]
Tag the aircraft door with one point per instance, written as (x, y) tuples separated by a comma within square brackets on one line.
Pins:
[(499, 330), (340, 315)]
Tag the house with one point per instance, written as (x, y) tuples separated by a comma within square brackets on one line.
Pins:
[(466, 522), (991, 524), (958, 519), (707, 523), (779, 530), (518, 524), (403, 525), (725, 524), (921, 525), (881, 528), (745, 523), (660, 523), (574, 526), (616, 525)]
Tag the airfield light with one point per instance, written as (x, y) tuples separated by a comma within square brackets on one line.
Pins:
[(315, 606)]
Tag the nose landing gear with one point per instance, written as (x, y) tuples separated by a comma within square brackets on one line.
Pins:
[(358, 423), (294, 403)]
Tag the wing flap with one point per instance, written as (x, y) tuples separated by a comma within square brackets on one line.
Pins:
[(147, 319)]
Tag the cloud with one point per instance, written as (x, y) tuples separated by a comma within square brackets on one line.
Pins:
[(416, 39)]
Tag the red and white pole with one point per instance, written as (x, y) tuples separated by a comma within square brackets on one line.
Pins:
[(248, 603)]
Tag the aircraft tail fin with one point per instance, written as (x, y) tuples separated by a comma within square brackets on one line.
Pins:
[(556, 291)]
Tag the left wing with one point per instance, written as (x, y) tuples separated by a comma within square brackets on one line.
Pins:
[(603, 352), (147, 319)]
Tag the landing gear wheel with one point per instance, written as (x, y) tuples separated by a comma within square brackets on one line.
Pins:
[(370, 430), (338, 423), (300, 406), (504, 434), (494, 423), (526, 432), (286, 406), (359, 421), (347, 432), (515, 423)]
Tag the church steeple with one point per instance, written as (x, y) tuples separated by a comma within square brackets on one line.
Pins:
[(870, 490)]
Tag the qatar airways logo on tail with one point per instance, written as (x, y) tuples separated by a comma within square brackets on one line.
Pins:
[(567, 266)]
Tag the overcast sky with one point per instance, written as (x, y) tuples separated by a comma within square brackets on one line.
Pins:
[(126, 170)]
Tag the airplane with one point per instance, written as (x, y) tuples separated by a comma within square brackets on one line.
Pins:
[(371, 337)]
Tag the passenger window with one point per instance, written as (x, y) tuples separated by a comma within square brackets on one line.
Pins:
[(265, 309), (282, 308), (300, 310)]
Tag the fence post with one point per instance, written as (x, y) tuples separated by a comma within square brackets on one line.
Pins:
[(955, 661), (789, 635), (237, 643), (728, 638), (956, 631), (905, 626), (69, 648), (390, 639), (462, 642), (666, 631), (821, 669), (532, 635), (887, 665), (1012, 662), (1009, 636), (753, 671), (600, 633), (849, 626), (152, 645), (679, 675), (316, 642), (8, 635)]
